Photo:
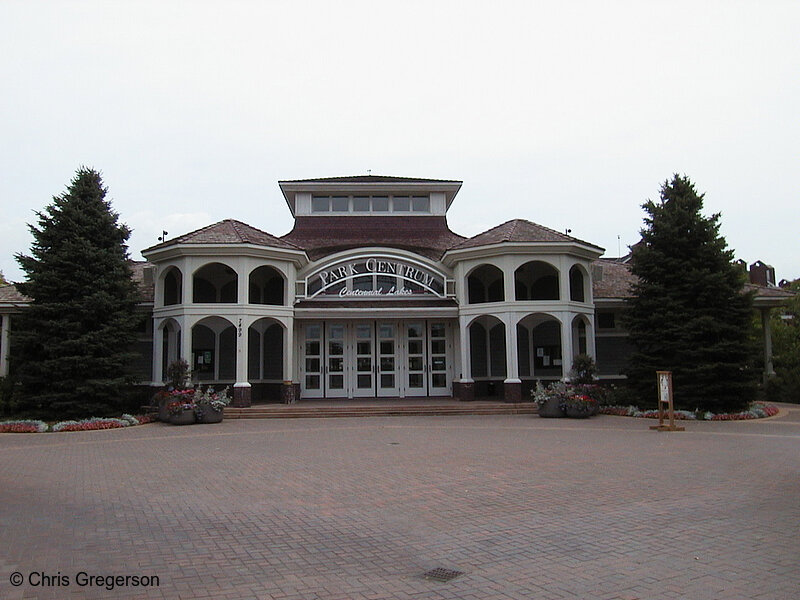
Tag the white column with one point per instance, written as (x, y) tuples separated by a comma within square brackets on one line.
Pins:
[(186, 280), (591, 348), (5, 328), (566, 344), (186, 324), (512, 357), (158, 353), (242, 347), (466, 364), (289, 353), (509, 289)]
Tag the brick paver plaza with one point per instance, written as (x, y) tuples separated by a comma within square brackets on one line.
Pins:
[(361, 508)]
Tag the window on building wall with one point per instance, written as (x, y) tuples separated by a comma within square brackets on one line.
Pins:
[(401, 204), (606, 320), (320, 204), (361, 204), (370, 204), (340, 204), (420, 204)]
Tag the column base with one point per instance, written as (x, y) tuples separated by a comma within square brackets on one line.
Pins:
[(464, 391), (242, 395), (290, 392), (512, 391)]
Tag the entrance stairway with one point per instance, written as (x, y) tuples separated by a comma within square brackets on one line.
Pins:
[(365, 407)]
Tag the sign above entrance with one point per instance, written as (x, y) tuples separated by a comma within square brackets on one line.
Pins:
[(375, 275)]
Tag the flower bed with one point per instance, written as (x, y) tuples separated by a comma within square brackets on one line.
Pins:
[(23, 426), (92, 424), (759, 410)]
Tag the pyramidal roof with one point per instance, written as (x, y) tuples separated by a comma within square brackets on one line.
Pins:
[(229, 231), (518, 230)]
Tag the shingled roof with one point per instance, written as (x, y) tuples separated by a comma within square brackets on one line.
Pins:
[(369, 179), (10, 293), (321, 236), (518, 230), (613, 280), (229, 231)]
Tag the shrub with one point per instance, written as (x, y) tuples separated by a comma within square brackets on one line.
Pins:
[(583, 369)]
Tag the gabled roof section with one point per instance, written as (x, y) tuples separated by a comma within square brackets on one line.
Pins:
[(229, 231), (368, 179), (518, 231)]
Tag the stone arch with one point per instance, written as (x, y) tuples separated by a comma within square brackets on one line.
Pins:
[(172, 286), (485, 283), (536, 280), (578, 284), (539, 346), (266, 343), (213, 350), (267, 285), (581, 335), (487, 347), (170, 330), (215, 283)]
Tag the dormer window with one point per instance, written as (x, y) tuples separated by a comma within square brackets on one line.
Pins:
[(370, 204)]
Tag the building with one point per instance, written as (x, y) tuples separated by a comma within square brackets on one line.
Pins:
[(372, 295)]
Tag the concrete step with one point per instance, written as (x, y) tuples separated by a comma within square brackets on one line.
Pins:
[(292, 411)]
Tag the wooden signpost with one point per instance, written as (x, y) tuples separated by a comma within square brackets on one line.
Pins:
[(665, 398)]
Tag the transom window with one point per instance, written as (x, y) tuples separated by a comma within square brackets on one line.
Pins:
[(370, 204)]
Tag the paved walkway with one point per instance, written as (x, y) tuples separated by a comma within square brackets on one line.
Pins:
[(358, 509)]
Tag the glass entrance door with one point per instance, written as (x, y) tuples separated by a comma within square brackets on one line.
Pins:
[(439, 367), (415, 380), (363, 346), (388, 379), (367, 358), (335, 361), (312, 378)]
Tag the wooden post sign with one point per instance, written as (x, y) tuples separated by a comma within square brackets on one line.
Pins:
[(665, 403)]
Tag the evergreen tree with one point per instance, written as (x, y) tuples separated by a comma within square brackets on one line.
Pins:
[(71, 347), (688, 313), (785, 325)]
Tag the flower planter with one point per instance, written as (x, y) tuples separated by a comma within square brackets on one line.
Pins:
[(209, 415), (185, 417), (163, 413), (550, 409), (577, 413)]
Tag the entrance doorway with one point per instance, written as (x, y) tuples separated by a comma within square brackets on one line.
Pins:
[(376, 358)]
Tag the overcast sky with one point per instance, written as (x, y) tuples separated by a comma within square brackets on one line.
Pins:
[(568, 114)]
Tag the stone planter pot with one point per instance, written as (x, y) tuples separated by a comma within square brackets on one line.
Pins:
[(577, 413), (551, 409), (185, 417), (163, 413), (209, 415)]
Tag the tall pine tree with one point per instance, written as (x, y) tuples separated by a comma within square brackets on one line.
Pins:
[(688, 313), (72, 345)]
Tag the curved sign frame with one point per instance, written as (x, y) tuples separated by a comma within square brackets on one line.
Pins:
[(412, 277)]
